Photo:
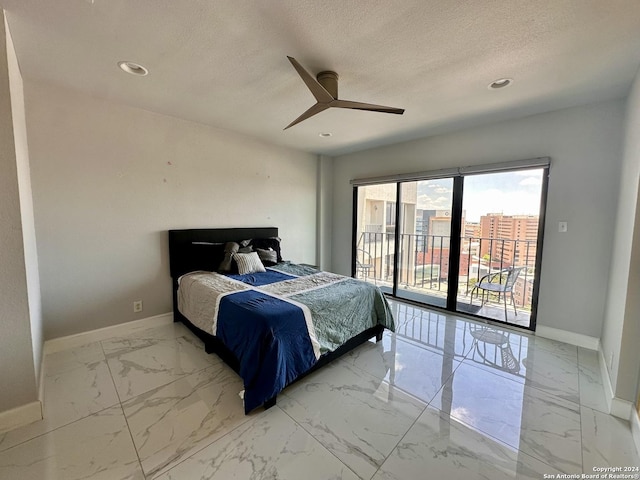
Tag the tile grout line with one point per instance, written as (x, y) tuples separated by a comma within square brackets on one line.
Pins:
[(56, 429), (487, 434), (164, 469), (428, 404), (126, 421), (321, 444), (473, 365), (400, 440), (580, 410), (526, 384), (404, 435), (143, 393), (578, 403), (63, 425)]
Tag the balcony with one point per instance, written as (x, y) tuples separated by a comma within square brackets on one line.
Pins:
[(423, 271)]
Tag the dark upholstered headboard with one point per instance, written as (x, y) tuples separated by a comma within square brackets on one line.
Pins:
[(183, 244)]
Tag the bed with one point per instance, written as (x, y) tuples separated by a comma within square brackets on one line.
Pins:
[(275, 326)]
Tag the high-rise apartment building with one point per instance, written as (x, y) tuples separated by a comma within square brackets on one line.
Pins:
[(509, 238)]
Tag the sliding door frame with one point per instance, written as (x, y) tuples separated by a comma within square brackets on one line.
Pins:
[(455, 242), (538, 265), (396, 240)]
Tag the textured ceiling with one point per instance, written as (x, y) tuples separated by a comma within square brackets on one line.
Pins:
[(224, 63)]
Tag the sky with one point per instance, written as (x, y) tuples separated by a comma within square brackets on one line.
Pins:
[(510, 193)]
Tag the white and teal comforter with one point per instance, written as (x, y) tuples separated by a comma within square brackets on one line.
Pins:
[(279, 323)]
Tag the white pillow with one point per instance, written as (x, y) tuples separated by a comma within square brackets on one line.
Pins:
[(248, 263)]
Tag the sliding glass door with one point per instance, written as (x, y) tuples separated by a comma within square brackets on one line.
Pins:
[(468, 243), (425, 240), (499, 245)]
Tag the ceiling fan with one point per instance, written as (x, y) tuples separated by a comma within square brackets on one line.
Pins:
[(325, 89)]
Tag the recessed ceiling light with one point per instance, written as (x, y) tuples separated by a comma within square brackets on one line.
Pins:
[(325, 134), (500, 83), (133, 68)]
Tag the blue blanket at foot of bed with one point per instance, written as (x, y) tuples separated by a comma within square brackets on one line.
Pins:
[(270, 339)]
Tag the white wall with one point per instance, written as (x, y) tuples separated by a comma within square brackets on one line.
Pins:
[(26, 205), (621, 329), (110, 180), (325, 211), (18, 373), (584, 144)]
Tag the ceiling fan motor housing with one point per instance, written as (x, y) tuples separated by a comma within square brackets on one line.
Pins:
[(329, 80)]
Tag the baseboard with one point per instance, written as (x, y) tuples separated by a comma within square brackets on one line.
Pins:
[(120, 330), (19, 416), (616, 406), (635, 428), (606, 379), (621, 408), (41, 377), (578, 339)]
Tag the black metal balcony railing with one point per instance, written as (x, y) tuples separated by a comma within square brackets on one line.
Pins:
[(424, 260)]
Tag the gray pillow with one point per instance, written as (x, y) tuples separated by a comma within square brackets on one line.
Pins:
[(230, 249), (268, 257)]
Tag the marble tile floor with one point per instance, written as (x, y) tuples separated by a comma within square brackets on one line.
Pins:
[(444, 397)]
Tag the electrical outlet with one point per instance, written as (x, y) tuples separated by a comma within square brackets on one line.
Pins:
[(137, 306)]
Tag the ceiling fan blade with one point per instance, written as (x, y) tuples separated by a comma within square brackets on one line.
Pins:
[(366, 106), (318, 91), (315, 109)]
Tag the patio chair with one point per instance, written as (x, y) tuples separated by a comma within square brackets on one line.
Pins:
[(365, 264), (502, 283)]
